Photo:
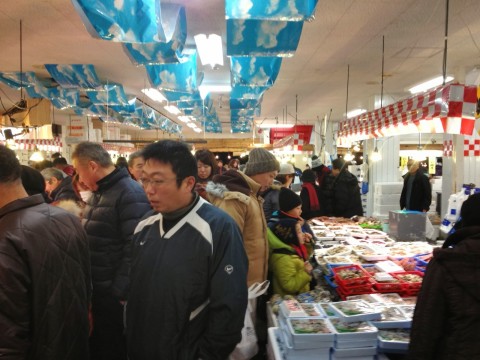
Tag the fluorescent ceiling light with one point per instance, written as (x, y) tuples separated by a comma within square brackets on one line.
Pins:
[(210, 49), (192, 125), (430, 84), (185, 118), (356, 112), (206, 89), (172, 109), (154, 94), (197, 130), (276, 126)]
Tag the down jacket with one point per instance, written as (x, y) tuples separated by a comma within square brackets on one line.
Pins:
[(111, 215), (446, 321), (287, 268), (238, 195), (45, 283), (342, 195), (421, 196), (64, 191)]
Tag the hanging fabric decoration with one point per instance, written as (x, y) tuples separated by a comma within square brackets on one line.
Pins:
[(122, 21), (291, 10), (174, 25), (254, 71)]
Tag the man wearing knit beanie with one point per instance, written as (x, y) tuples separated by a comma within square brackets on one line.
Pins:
[(260, 166)]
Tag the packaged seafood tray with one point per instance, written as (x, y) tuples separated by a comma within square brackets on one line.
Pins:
[(311, 333), (392, 317), (292, 308), (355, 310), (353, 331), (408, 310), (369, 298), (358, 234), (350, 275), (279, 349), (390, 299), (370, 252), (375, 234), (397, 339), (355, 353), (410, 300), (353, 344), (312, 310), (411, 280), (317, 222), (335, 250), (336, 259), (327, 309)]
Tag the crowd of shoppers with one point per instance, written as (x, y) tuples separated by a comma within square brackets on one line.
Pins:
[(166, 243)]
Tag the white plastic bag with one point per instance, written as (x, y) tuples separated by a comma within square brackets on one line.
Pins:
[(248, 347), (429, 229)]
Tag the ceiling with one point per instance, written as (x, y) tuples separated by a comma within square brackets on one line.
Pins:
[(344, 34)]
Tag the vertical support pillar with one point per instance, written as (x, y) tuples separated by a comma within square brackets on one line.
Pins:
[(452, 169)]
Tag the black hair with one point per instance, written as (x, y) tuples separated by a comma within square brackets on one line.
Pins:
[(121, 162), (10, 169), (60, 161), (338, 164), (207, 157), (175, 153)]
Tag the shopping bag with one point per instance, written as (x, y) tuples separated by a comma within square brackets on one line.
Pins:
[(429, 229), (248, 347)]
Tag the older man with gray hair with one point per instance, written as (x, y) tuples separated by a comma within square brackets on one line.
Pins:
[(58, 187), (113, 211)]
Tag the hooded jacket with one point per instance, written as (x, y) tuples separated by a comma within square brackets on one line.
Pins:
[(285, 265), (238, 195), (45, 283), (446, 321), (111, 215)]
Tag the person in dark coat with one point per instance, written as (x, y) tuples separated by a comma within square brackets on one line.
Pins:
[(33, 182), (44, 274), (446, 321), (58, 187), (341, 192), (189, 275), (321, 171), (285, 177), (310, 196), (417, 191), (111, 214)]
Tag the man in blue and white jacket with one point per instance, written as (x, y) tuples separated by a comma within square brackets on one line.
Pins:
[(188, 292)]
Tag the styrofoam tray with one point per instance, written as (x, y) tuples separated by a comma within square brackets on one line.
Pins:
[(354, 331), (309, 340), (384, 343), (351, 344), (392, 317), (355, 352), (292, 308), (363, 310)]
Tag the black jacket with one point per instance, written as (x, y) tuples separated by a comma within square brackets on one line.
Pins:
[(342, 195), (112, 213), (446, 322), (64, 191), (189, 287), (45, 283), (421, 196), (307, 211)]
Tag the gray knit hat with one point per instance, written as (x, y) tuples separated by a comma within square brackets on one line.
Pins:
[(261, 161)]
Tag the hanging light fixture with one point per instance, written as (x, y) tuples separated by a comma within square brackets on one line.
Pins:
[(348, 156), (376, 156), (37, 155)]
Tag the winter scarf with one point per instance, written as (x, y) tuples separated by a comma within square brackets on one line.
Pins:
[(312, 195)]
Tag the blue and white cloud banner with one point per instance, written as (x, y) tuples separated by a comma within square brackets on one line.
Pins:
[(286, 10)]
